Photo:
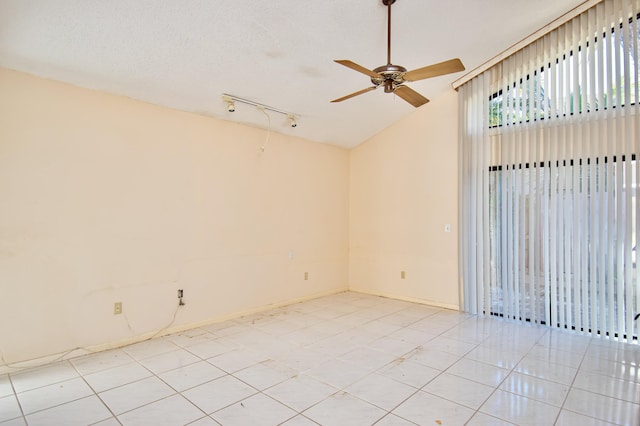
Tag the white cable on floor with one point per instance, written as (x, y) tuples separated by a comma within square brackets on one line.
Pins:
[(167, 326), (14, 366)]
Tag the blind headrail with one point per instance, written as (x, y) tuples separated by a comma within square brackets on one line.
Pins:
[(588, 4)]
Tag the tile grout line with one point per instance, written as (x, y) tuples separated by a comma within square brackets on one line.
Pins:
[(15, 395), (564, 401)]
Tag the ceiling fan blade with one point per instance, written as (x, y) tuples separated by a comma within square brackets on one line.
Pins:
[(356, 67), (359, 92), (435, 70), (411, 96)]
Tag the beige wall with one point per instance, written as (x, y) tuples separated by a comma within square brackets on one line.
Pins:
[(403, 189), (106, 199)]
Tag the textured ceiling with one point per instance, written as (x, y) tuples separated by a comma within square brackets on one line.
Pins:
[(185, 54)]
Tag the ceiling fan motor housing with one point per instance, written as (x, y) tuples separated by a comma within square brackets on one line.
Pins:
[(389, 75)]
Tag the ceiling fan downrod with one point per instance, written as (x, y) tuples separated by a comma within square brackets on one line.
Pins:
[(388, 3), (389, 71)]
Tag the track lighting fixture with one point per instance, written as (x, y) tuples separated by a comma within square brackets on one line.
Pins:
[(231, 100)]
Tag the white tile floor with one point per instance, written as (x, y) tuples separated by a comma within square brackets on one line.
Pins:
[(346, 359)]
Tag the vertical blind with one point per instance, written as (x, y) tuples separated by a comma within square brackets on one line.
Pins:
[(549, 143)]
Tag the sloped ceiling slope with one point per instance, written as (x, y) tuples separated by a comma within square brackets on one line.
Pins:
[(186, 54)]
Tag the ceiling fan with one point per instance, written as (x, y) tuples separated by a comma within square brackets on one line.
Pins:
[(392, 77)]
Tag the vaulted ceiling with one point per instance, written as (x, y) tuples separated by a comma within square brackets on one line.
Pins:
[(185, 54)]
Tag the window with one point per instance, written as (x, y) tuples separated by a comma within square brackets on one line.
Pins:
[(580, 75)]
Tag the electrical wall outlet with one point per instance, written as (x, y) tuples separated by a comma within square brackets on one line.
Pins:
[(306, 276), (117, 308), (403, 275)]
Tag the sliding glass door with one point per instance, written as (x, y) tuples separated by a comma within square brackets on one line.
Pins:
[(556, 248), (549, 142)]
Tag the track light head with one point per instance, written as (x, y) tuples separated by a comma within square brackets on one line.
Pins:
[(231, 106), (292, 120)]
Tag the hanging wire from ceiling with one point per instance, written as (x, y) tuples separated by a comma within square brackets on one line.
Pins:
[(266, 141)]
